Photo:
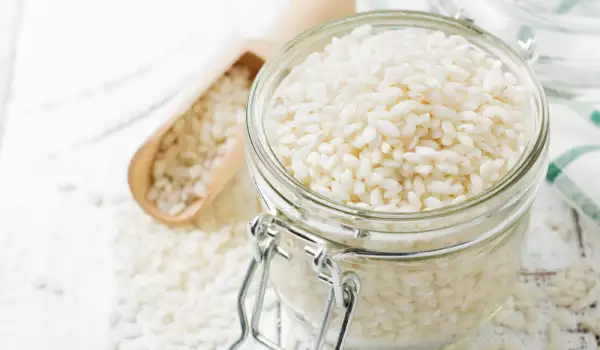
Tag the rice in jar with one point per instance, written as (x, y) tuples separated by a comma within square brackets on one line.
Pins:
[(397, 155)]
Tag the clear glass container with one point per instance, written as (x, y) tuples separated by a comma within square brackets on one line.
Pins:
[(361, 279), (566, 35)]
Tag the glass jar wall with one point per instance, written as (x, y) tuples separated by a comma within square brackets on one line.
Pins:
[(387, 280)]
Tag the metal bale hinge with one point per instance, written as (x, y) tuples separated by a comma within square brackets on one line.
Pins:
[(264, 233)]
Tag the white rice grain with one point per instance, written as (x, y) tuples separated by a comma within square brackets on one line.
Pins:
[(401, 121), (198, 140)]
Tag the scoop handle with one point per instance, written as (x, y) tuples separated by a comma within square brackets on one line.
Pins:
[(299, 15)]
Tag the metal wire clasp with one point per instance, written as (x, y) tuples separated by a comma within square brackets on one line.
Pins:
[(264, 233)]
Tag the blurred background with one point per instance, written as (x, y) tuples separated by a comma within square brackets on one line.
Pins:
[(83, 82)]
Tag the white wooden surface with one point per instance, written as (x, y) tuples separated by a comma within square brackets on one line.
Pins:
[(92, 77)]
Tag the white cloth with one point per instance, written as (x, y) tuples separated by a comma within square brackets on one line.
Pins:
[(574, 168)]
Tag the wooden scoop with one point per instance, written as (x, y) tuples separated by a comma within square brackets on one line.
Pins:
[(297, 17)]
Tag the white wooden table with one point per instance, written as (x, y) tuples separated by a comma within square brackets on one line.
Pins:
[(87, 91)]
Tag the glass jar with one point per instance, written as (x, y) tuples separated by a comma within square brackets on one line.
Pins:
[(566, 32), (361, 279)]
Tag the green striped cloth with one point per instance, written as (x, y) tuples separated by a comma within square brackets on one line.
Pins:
[(574, 167)]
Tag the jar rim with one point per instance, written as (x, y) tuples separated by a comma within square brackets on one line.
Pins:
[(255, 132)]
